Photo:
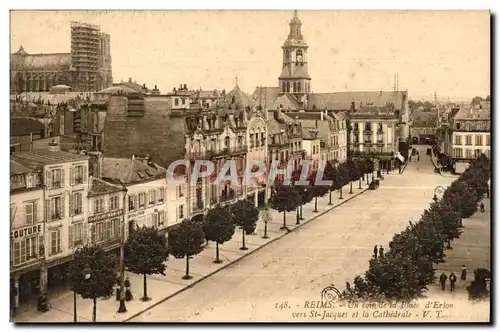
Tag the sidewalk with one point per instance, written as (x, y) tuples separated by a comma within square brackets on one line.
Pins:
[(160, 288), (472, 249)]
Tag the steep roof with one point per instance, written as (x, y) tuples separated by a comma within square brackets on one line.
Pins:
[(17, 168), (101, 187), (287, 101), (39, 158), (134, 86), (129, 171), (61, 61), (25, 126), (472, 114), (241, 98), (264, 94), (342, 100)]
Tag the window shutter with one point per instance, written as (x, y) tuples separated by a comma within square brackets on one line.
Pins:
[(85, 171), (47, 210), (70, 235), (41, 253), (162, 218), (92, 234), (146, 196), (72, 175), (85, 231), (17, 253), (136, 201), (62, 178), (48, 179), (150, 220), (71, 204), (35, 212), (62, 207)]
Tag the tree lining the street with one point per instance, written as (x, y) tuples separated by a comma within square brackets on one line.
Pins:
[(245, 215), (332, 174), (285, 199), (92, 274), (405, 271), (146, 253), (186, 240)]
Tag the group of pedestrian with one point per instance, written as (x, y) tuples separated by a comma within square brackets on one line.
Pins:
[(128, 293), (378, 251), (453, 279)]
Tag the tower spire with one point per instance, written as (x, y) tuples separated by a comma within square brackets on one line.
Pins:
[(295, 14), (236, 79)]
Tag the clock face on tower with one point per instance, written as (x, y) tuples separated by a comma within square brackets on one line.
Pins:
[(299, 58)]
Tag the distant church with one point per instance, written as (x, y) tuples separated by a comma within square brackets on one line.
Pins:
[(86, 68), (294, 90)]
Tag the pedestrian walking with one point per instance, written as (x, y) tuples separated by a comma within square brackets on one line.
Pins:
[(128, 293), (453, 280), (375, 252), (481, 207), (381, 251), (463, 275), (442, 280), (418, 156)]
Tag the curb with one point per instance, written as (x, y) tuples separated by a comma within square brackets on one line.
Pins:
[(241, 257)]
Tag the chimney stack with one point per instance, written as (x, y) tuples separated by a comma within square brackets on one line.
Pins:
[(322, 116), (53, 145)]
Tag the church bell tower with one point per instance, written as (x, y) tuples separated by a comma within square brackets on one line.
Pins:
[(294, 76)]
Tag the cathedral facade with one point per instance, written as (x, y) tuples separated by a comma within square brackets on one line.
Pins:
[(86, 68)]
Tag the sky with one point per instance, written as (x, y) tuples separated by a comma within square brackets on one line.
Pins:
[(443, 51)]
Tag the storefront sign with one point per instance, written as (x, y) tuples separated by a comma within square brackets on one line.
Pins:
[(26, 231), (106, 215), (136, 214)]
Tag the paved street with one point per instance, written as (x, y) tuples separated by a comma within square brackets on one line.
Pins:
[(331, 249)]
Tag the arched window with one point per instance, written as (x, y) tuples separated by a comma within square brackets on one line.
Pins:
[(294, 87), (227, 141), (197, 146), (287, 87), (287, 56), (284, 87), (298, 87)]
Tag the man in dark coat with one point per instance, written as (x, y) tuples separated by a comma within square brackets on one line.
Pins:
[(442, 280), (375, 252), (481, 207), (453, 280)]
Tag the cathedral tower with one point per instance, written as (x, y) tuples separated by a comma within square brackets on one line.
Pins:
[(294, 77)]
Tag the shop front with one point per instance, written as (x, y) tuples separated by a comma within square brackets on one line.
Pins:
[(28, 278)]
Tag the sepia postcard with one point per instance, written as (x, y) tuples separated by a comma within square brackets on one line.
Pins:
[(312, 166)]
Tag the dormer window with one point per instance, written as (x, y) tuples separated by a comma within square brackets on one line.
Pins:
[(458, 125)]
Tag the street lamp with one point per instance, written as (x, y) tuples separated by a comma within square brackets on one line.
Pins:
[(87, 275)]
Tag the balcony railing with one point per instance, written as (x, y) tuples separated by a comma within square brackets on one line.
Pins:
[(278, 145), (371, 153), (231, 151), (209, 154)]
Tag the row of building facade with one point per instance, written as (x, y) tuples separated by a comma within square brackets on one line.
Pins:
[(97, 168)]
